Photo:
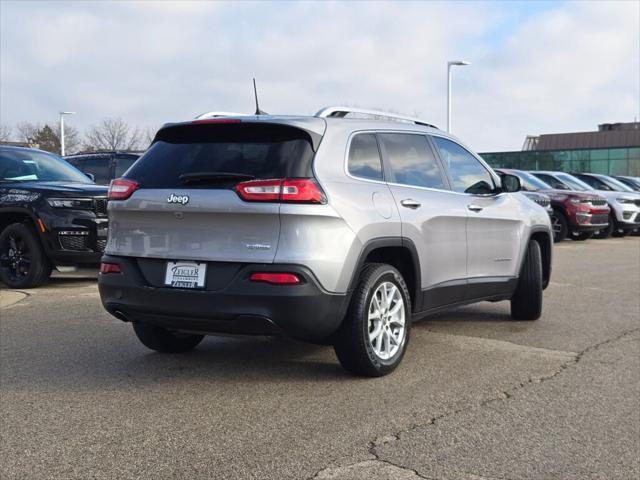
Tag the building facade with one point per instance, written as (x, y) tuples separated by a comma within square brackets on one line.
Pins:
[(612, 150)]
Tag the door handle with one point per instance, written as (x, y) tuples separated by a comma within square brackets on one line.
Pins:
[(475, 208), (410, 203)]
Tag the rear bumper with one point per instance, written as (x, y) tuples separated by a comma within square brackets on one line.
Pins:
[(305, 311)]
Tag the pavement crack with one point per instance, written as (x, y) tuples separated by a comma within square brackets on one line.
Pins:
[(501, 396)]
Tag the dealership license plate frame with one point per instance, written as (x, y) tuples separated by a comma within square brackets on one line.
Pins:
[(185, 274)]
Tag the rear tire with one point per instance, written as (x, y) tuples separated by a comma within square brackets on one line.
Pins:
[(162, 340), (581, 236), (560, 226), (374, 335), (526, 303), (23, 262)]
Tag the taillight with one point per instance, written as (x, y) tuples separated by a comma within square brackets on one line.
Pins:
[(110, 268), (275, 278), (122, 188), (260, 190), (288, 190)]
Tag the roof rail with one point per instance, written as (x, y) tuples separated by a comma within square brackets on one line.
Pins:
[(220, 114), (341, 112)]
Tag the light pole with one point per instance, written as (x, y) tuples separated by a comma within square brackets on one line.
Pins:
[(450, 64), (62, 114)]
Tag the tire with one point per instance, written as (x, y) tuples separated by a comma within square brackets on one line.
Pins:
[(23, 263), (357, 352), (620, 233), (581, 236), (526, 303), (560, 226), (162, 340), (606, 232)]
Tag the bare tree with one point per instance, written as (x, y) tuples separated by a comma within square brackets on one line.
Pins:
[(112, 134), (72, 140), (148, 135), (27, 130), (5, 132)]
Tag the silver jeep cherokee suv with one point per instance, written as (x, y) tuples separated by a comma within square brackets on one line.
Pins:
[(329, 229)]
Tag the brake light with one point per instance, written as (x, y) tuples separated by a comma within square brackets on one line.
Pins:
[(288, 190), (122, 188), (110, 268), (216, 120), (276, 278)]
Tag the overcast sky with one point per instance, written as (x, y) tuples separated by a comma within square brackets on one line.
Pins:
[(538, 67)]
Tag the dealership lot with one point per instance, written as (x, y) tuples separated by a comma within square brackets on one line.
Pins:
[(478, 395)]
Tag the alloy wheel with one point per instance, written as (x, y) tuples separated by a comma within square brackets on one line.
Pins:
[(386, 321), (15, 257)]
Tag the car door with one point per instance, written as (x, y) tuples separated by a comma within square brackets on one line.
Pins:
[(494, 224), (433, 217)]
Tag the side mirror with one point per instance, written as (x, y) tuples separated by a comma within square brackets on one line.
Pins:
[(510, 183), (91, 176)]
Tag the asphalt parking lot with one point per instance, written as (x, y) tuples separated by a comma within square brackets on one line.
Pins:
[(477, 397)]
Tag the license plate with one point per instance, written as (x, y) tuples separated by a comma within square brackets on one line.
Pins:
[(185, 274)]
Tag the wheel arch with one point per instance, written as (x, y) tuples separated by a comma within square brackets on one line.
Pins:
[(9, 216), (545, 240), (398, 252)]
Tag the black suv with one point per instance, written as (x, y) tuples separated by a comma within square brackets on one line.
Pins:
[(51, 215), (103, 166)]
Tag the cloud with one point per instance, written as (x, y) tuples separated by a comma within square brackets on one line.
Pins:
[(556, 67)]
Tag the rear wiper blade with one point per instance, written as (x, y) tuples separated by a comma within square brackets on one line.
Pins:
[(213, 177)]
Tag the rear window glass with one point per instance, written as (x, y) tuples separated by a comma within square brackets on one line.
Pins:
[(260, 151), (364, 157)]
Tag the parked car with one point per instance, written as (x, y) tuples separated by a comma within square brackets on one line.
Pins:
[(51, 215), (625, 211), (577, 215), (328, 229), (103, 166), (632, 182)]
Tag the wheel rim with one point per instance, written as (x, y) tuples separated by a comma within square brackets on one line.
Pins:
[(386, 321), (556, 226), (15, 258)]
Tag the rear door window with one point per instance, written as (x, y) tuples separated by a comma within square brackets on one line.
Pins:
[(364, 157), (99, 167), (411, 160), (214, 152)]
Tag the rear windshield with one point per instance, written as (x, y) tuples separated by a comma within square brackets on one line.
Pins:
[(223, 154)]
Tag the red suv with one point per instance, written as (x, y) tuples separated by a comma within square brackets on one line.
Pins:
[(575, 214)]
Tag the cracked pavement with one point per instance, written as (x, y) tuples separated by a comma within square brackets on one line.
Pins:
[(477, 396)]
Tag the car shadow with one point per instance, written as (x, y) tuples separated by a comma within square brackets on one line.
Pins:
[(480, 312)]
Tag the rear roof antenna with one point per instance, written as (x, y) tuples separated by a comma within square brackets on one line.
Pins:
[(255, 93)]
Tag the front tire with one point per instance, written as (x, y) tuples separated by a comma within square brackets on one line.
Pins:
[(374, 335), (526, 303), (162, 340), (560, 226), (23, 263)]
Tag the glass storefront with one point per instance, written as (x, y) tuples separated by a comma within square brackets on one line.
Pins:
[(609, 161)]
